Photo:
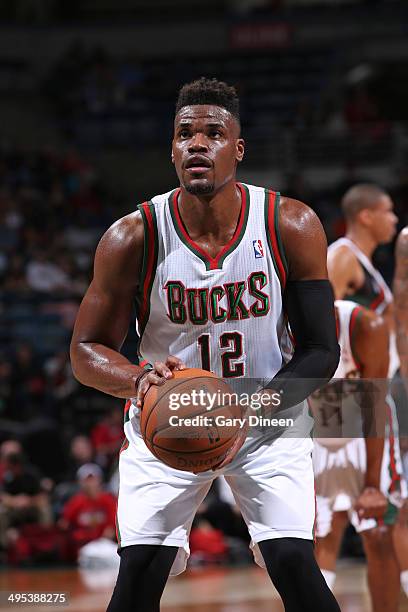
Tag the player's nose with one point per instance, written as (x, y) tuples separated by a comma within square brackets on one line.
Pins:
[(198, 143)]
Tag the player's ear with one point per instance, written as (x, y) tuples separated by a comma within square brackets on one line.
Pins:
[(365, 217), (240, 150)]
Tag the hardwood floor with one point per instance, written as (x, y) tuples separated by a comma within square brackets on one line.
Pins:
[(208, 590)]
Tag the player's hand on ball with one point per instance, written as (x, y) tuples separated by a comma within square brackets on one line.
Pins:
[(371, 504), (162, 371)]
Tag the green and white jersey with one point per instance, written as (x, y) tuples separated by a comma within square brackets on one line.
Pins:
[(374, 294), (222, 314), (335, 405)]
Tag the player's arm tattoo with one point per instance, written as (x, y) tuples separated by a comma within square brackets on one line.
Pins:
[(401, 299)]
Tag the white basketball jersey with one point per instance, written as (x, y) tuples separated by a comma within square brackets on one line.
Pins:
[(335, 406), (346, 316), (224, 313), (374, 294)]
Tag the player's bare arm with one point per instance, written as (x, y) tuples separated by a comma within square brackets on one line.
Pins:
[(103, 319), (304, 241), (401, 300), (371, 342), (345, 273)]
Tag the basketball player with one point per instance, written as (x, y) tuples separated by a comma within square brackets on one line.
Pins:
[(348, 470), (401, 301), (208, 264), (370, 221), (400, 287)]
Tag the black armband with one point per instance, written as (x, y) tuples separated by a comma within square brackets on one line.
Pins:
[(309, 305)]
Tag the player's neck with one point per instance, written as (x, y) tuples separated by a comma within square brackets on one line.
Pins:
[(362, 239), (214, 215)]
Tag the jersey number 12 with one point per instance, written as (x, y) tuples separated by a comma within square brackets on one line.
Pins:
[(231, 340)]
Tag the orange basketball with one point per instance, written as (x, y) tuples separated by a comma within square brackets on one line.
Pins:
[(191, 421)]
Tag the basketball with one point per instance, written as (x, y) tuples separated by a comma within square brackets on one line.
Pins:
[(196, 435)]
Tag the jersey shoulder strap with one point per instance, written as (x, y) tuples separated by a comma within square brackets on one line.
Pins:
[(275, 244)]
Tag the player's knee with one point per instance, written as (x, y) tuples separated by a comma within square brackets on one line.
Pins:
[(287, 554), (378, 541), (134, 560)]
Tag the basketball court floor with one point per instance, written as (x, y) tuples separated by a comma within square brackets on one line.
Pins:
[(204, 590)]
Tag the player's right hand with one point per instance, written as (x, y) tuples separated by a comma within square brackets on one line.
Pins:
[(162, 371), (371, 504)]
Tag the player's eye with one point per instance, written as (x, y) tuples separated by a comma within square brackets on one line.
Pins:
[(215, 134), (184, 133)]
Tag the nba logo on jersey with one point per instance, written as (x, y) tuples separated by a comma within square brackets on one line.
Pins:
[(258, 248)]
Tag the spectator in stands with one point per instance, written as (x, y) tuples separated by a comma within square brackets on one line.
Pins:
[(46, 276), (363, 115), (61, 383), (107, 437), (28, 384), (5, 387), (90, 514), (7, 448), (15, 281), (80, 453), (23, 500)]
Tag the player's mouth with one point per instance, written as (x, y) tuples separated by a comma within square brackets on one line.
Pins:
[(198, 164)]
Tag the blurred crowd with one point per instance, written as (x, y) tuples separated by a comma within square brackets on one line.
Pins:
[(43, 521), (53, 209)]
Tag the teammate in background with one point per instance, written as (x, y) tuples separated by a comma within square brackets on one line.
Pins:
[(370, 221), (353, 482), (401, 301), (218, 256), (400, 288)]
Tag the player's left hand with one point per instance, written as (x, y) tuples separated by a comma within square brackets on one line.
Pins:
[(371, 504)]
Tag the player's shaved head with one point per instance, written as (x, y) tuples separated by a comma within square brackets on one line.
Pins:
[(209, 91), (360, 197)]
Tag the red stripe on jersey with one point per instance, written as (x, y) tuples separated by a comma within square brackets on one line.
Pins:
[(315, 515), (213, 261), (238, 229), (127, 407), (357, 311), (336, 315), (273, 239), (377, 301), (150, 262)]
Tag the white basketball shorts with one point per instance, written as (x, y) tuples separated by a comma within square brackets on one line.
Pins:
[(272, 484), (339, 479)]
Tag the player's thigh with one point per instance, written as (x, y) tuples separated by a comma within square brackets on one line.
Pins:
[(274, 488), (378, 543), (156, 504)]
